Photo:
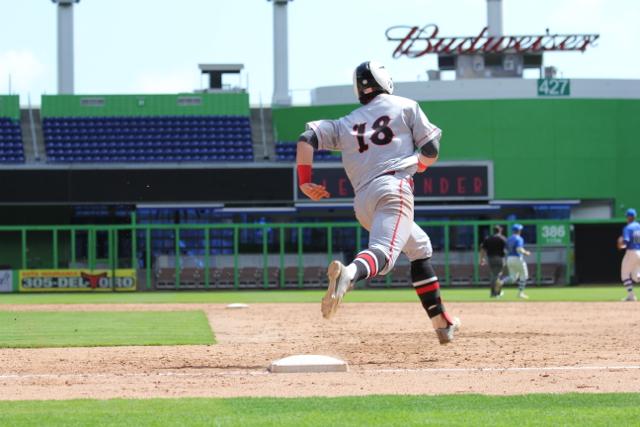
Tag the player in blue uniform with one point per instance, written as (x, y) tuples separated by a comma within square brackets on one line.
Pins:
[(630, 241), (517, 266)]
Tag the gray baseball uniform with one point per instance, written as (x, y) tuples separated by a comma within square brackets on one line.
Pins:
[(378, 142)]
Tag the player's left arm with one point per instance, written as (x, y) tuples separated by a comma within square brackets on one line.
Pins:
[(307, 143), (427, 139)]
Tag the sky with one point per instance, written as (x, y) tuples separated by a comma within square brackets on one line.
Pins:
[(155, 46)]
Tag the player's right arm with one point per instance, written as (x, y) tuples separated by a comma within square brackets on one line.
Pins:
[(521, 250), (307, 143), (624, 240), (621, 244)]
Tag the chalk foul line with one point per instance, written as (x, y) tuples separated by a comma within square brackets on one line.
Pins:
[(260, 372)]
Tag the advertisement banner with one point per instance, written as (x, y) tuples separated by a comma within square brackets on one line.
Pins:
[(77, 280), (6, 281)]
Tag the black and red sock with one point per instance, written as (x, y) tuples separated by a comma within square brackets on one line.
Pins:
[(369, 263), (425, 282)]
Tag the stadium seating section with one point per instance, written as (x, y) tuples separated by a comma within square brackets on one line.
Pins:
[(286, 152), (11, 148), (148, 139)]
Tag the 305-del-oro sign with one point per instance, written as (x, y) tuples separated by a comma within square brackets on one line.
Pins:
[(414, 42), (77, 280)]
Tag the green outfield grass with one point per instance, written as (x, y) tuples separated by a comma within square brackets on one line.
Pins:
[(572, 293), (459, 410), (93, 329)]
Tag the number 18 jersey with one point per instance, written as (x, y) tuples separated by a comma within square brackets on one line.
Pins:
[(379, 137)]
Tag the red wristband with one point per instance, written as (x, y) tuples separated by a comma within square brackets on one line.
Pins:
[(304, 174)]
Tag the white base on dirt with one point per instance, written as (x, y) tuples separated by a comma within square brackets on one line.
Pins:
[(237, 305), (308, 363)]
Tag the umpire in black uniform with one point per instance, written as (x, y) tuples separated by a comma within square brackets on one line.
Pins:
[(493, 250)]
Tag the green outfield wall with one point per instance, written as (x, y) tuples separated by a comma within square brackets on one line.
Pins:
[(540, 148), (10, 106), (186, 104)]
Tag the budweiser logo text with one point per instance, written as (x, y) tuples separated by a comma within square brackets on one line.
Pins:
[(415, 42)]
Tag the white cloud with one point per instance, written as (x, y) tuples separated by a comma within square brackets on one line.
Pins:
[(24, 69)]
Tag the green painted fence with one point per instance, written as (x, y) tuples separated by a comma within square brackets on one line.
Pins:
[(547, 149), (186, 104), (64, 255)]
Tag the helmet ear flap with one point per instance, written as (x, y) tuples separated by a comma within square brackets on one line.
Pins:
[(369, 79)]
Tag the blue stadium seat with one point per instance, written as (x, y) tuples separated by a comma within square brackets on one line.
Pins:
[(11, 146), (148, 139)]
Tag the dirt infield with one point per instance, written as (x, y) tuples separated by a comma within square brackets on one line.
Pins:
[(502, 348)]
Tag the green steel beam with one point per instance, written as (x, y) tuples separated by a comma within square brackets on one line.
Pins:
[(538, 260), (329, 244), (265, 258), (300, 252), (134, 242), (55, 249), (147, 253), (620, 221), (476, 255), (23, 248), (236, 256), (73, 247), (177, 256), (281, 257), (207, 257), (447, 272)]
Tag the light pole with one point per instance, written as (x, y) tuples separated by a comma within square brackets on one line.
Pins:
[(65, 45), (280, 54)]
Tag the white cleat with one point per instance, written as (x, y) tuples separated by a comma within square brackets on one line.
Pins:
[(522, 295), (446, 335), (630, 297), (339, 284)]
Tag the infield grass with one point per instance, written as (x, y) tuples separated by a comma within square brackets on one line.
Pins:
[(457, 410), (572, 293), (27, 329)]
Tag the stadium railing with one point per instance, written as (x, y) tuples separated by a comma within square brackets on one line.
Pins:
[(271, 268)]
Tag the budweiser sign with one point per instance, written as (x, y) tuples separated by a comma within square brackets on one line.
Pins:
[(415, 42)]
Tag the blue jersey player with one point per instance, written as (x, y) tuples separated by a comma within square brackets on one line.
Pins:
[(630, 241), (517, 266)]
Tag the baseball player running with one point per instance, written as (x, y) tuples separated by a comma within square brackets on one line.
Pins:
[(383, 143), (517, 266), (630, 268)]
